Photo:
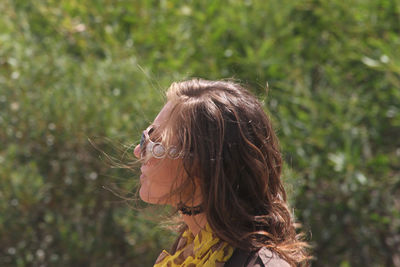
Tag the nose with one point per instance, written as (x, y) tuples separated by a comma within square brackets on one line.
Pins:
[(137, 151)]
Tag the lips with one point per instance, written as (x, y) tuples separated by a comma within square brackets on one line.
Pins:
[(142, 175)]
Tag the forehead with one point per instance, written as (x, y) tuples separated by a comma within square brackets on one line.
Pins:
[(163, 115)]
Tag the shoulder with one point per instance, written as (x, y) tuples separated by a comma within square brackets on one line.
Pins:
[(262, 258)]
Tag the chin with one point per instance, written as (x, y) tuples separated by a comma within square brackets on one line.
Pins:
[(144, 195)]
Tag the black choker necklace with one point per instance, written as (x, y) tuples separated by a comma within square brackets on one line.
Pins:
[(189, 210)]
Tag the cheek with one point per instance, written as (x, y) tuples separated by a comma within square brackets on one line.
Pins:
[(161, 178), (162, 175), (165, 171)]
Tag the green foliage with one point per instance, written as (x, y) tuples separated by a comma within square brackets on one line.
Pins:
[(73, 70)]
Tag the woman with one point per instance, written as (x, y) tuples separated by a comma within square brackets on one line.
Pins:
[(211, 153)]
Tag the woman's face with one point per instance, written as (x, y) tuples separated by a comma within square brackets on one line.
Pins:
[(159, 176)]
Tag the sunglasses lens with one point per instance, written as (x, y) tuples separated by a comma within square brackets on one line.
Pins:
[(142, 145), (158, 151), (173, 153), (142, 139)]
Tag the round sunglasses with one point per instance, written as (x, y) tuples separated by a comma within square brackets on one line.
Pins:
[(156, 149)]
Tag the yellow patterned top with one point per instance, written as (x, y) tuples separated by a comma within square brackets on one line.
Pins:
[(206, 250)]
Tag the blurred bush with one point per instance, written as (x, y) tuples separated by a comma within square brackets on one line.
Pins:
[(73, 70)]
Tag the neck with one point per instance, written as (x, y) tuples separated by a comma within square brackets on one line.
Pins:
[(195, 223)]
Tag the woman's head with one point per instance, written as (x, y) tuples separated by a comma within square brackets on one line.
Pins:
[(222, 135), (229, 162)]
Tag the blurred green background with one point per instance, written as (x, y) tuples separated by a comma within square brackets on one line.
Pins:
[(72, 70)]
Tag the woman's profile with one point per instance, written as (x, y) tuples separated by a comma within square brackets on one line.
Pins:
[(211, 152)]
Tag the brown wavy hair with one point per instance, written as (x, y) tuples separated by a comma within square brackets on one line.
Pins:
[(229, 146)]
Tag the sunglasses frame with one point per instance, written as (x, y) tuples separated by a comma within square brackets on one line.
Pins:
[(148, 146)]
